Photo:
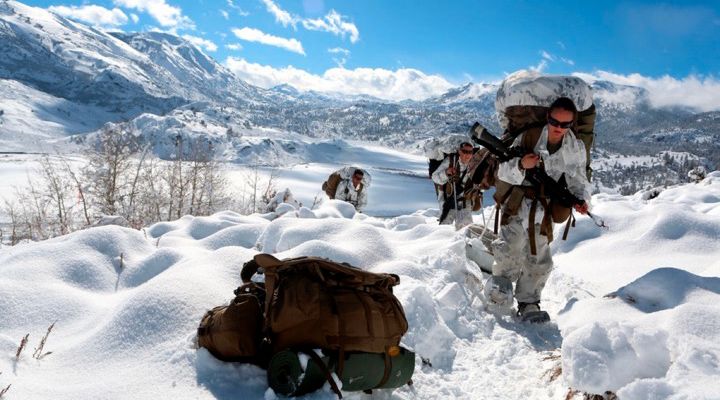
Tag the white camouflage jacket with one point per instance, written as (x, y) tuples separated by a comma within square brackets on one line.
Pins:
[(569, 159), (346, 192)]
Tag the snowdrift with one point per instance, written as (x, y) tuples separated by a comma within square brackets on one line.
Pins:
[(126, 305)]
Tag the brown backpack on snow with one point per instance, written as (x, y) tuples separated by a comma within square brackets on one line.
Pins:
[(313, 302), (234, 332)]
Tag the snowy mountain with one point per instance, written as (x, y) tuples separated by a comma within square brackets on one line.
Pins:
[(117, 76), (60, 78)]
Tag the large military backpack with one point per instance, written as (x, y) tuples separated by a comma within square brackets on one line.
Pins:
[(313, 302), (331, 184), (310, 303)]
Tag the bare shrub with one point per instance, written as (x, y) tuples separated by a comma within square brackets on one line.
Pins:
[(23, 342), (38, 353)]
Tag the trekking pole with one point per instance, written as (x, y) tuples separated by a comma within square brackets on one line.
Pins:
[(454, 189), (598, 221)]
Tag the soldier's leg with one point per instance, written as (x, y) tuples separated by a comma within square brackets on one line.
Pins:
[(510, 251), (464, 217), (449, 219), (535, 274)]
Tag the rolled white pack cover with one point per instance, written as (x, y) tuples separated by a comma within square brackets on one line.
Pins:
[(436, 148), (528, 88)]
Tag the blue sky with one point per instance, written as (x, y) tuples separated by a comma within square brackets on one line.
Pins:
[(448, 42)]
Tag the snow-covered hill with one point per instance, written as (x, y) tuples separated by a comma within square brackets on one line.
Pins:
[(126, 304)]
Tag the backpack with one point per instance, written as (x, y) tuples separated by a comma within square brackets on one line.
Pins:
[(524, 98), (234, 332), (313, 302), (331, 184)]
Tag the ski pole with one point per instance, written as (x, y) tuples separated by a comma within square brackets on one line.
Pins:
[(598, 221)]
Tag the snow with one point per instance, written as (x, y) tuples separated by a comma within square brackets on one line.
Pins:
[(127, 303), (31, 119)]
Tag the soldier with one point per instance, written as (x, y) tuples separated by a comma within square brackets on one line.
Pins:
[(453, 176), (521, 251)]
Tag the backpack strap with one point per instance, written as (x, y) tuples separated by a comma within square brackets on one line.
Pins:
[(531, 227), (325, 371), (571, 219)]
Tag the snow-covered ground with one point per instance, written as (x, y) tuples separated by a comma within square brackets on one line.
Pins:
[(394, 173), (127, 302)]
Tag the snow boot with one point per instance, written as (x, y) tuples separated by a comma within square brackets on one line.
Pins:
[(530, 312), (499, 291)]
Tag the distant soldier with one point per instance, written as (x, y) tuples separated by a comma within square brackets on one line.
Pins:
[(453, 177), (348, 184)]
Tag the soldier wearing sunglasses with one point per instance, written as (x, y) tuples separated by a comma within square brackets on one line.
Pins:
[(521, 251), (453, 176)]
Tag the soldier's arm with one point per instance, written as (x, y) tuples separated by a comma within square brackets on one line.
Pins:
[(440, 175)]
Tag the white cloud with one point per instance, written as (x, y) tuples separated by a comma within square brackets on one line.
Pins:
[(239, 10), (135, 18), (699, 93), (234, 46), (567, 61), (255, 35), (280, 15), (201, 43), (225, 14), (339, 50), (546, 55), (548, 58), (395, 85), (542, 65), (335, 24), (92, 14), (342, 55), (165, 14)]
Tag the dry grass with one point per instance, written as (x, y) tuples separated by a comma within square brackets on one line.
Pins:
[(38, 354), (556, 370), (2, 392), (23, 342)]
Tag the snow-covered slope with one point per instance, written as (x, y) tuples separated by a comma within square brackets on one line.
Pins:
[(76, 62), (127, 304), (32, 120)]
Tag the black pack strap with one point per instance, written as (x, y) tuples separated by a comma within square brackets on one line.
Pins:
[(325, 371), (248, 271), (497, 218), (531, 227)]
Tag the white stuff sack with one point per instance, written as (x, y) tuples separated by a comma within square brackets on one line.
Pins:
[(528, 88), (436, 148)]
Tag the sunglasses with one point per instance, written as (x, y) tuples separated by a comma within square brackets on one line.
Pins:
[(466, 151), (558, 124)]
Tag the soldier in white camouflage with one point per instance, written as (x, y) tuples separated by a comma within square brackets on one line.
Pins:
[(522, 252)]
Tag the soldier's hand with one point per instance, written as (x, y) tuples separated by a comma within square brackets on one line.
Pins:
[(582, 208), (450, 171), (530, 161)]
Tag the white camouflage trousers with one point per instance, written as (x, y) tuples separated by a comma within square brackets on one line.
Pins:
[(513, 260), (464, 217)]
